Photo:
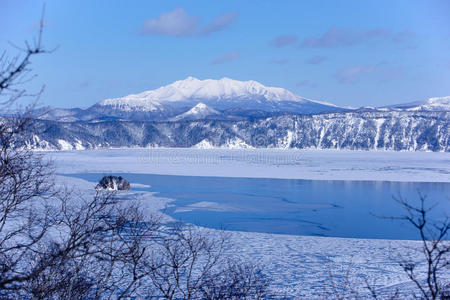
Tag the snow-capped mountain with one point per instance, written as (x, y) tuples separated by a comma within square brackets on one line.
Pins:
[(431, 104), (221, 95), (193, 89), (198, 112)]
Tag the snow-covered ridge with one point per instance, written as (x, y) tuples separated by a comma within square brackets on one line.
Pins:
[(431, 104), (362, 130)]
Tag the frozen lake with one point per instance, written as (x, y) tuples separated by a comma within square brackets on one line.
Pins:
[(291, 206), (262, 163)]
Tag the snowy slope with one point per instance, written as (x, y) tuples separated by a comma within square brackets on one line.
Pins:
[(198, 112)]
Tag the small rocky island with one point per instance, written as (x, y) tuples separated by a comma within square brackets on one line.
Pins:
[(116, 183)]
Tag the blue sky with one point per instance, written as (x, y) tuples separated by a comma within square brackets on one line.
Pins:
[(354, 53)]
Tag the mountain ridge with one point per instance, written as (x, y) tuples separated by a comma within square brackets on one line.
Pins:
[(356, 130)]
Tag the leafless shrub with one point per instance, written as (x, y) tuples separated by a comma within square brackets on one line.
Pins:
[(182, 261), (427, 266), (237, 280), (435, 250), (375, 294), (191, 264), (94, 248), (342, 289)]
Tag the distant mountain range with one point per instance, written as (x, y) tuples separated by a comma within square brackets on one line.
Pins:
[(224, 99), (241, 114)]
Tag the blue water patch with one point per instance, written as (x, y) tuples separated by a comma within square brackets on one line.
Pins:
[(292, 206)]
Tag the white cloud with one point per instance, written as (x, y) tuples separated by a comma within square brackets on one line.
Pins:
[(178, 23), (174, 23), (219, 23)]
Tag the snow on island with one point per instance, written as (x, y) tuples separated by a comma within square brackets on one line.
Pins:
[(113, 183)]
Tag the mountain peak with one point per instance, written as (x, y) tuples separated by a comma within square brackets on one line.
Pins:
[(199, 111), (200, 105), (189, 79)]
